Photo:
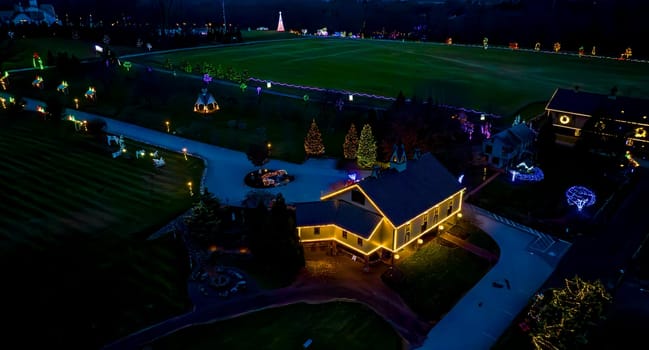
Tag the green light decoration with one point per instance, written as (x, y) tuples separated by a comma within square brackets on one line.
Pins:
[(366, 154), (305, 98), (37, 62), (243, 87), (4, 80), (127, 65)]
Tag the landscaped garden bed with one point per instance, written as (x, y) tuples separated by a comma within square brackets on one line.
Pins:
[(266, 178)]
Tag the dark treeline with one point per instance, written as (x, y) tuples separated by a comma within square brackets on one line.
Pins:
[(610, 25), (124, 35)]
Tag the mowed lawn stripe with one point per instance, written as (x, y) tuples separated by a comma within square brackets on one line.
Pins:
[(71, 196)]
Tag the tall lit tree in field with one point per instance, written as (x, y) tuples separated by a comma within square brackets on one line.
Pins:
[(313, 145), (562, 318), (366, 154), (350, 147)]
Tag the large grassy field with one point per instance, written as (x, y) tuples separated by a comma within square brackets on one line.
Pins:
[(77, 270), (332, 325), (495, 80)]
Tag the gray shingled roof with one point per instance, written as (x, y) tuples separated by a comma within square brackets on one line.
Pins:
[(403, 195), (589, 103), (515, 135), (347, 216)]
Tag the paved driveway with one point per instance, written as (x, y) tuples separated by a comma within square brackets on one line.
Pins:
[(227, 168)]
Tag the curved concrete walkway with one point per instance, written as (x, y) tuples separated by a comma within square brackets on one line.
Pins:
[(485, 312)]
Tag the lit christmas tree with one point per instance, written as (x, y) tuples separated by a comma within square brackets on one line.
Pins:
[(366, 153), (280, 24), (313, 145), (351, 143)]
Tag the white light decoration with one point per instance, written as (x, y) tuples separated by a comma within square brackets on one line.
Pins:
[(564, 119), (580, 196), (525, 172), (351, 98)]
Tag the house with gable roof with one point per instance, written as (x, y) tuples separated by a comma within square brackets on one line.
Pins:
[(387, 212), (509, 146)]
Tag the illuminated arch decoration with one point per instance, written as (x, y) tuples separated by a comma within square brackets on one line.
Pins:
[(564, 119), (640, 132), (580, 196)]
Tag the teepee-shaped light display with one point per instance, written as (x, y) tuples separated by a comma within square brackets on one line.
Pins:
[(280, 24)]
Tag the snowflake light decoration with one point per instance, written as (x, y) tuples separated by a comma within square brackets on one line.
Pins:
[(580, 196)]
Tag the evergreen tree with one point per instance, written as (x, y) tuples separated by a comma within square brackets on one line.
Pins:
[(204, 224), (366, 154), (313, 145), (351, 143)]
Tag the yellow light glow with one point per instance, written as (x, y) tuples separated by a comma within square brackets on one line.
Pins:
[(564, 119), (640, 132), (397, 257), (420, 241), (459, 215), (441, 227)]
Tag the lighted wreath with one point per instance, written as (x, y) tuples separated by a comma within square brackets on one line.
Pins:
[(564, 119), (580, 196), (640, 132)]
